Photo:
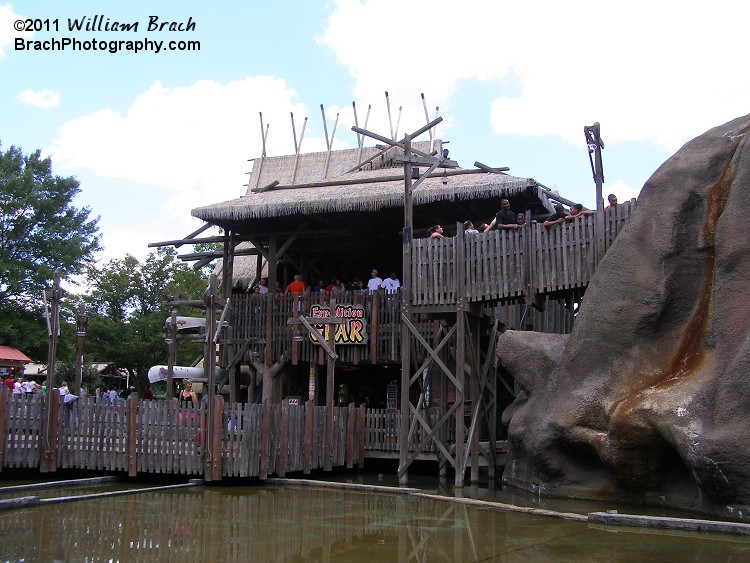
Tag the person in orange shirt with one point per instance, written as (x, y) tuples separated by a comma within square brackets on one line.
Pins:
[(612, 199), (297, 286)]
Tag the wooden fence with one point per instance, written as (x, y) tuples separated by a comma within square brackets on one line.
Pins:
[(166, 437)]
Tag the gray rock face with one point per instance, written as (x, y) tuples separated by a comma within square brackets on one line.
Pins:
[(649, 398)]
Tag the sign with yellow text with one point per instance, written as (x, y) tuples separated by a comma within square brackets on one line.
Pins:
[(352, 331)]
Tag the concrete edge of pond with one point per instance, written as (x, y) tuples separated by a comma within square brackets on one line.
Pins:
[(25, 502), (59, 484), (20, 502), (667, 523)]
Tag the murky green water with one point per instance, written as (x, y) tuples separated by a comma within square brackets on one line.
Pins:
[(290, 523)]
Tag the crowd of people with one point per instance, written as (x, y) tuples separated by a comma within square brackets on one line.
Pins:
[(25, 384), (375, 284), (508, 220)]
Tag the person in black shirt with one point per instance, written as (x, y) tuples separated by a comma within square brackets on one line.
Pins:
[(504, 219)]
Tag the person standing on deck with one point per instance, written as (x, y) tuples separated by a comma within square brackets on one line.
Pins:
[(504, 219), (612, 199), (391, 284), (469, 228), (577, 210), (556, 218), (435, 232), (374, 283), (296, 286)]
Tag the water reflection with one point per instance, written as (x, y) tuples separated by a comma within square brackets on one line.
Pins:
[(308, 524)]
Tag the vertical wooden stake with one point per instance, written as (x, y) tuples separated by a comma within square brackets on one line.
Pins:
[(3, 409), (283, 439), (350, 441), (309, 436), (362, 434), (132, 434), (218, 430)]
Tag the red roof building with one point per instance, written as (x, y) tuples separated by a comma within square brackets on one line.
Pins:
[(10, 357)]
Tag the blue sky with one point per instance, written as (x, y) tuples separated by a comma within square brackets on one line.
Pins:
[(152, 135)]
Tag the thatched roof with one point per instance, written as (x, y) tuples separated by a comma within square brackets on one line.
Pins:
[(379, 187)]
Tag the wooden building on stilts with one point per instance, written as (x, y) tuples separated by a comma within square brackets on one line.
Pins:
[(422, 357)]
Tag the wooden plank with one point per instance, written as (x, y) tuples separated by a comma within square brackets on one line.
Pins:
[(362, 434), (283, 439), (350, 436), (216, 443), (132, 434)]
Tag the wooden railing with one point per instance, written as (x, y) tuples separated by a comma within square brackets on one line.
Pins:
[(166, 437), (382, 314), (504, 264), (382, 430)]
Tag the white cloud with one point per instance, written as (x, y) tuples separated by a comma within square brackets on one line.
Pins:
[(44, 99), (194, 141), (622, 190), (8, 32), (655, 71)]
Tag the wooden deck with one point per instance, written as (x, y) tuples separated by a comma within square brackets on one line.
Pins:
[(502, 270)]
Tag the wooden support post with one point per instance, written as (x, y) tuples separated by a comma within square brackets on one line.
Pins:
[(209, 370), (3, 410), (460, 357), (283, 432), (330, 395), (350, 441), (374, 327), (309, 436), (265, 440), (48, 462), (132, 406), (171, 353), (227, 349), (217, 429), (406, 313), (54, 429), (270, 304), (362, 434)]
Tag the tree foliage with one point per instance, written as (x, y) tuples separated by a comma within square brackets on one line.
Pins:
[(127, 309), (40, 232)]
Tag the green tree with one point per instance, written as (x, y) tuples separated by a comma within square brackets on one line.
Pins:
[(127, 309), (40, 232)]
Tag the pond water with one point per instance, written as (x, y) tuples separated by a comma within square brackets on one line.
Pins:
[(296, 523)]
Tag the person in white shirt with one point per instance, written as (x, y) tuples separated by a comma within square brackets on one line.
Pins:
[(373, 284), (391, 284)]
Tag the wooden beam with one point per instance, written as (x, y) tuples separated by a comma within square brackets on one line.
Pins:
[(491, 170), (422, 161), (216, 254), (265, 188), (220, 238)]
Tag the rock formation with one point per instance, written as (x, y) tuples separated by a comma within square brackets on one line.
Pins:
[(648, 399)]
